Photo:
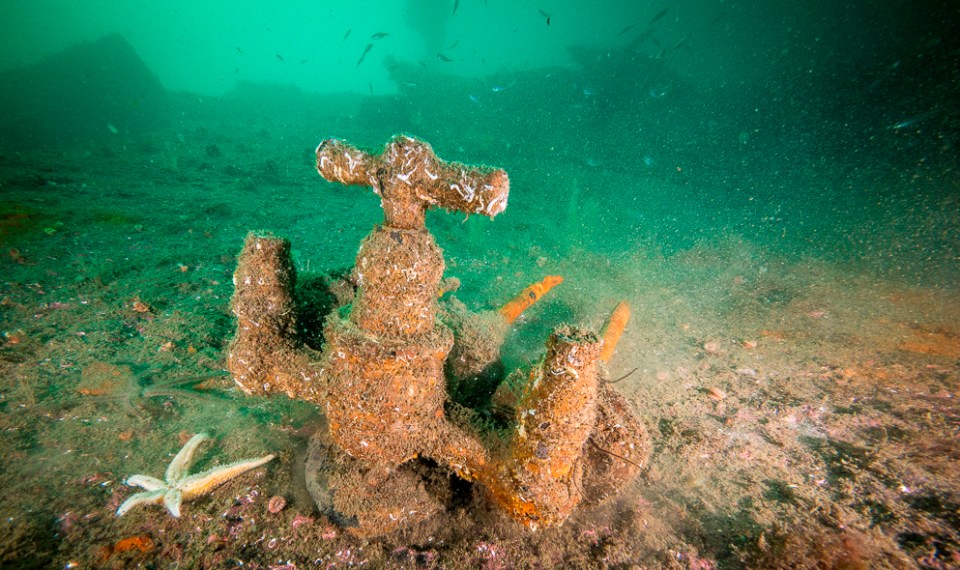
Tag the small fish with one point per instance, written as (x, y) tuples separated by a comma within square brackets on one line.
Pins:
[(682, 41), (444, 58), (456, 4), (454, 44), (379, 35), (545, 15), (902, 124), (364, 54), (475, 99), (280, 57), (347, 35), (910, 121), (625, 30), (303, 61), (240, 51), (659, 15)]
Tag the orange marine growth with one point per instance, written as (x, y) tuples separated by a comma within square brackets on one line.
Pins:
[(515, 307), (613, 330)]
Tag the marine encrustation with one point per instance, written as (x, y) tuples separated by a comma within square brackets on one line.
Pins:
[(391, 351)]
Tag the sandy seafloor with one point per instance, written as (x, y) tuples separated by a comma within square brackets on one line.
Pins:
[(802, 409)]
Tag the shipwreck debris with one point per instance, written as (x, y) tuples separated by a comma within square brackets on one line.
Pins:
[(396, 357)]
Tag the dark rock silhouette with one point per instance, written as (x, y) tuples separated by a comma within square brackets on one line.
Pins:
[(91, 90)]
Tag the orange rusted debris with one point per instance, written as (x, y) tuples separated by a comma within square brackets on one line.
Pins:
[(139, 544), (143, 543), (555, 416), (473, 365), (528, 297), (613, 330), (401, 372)]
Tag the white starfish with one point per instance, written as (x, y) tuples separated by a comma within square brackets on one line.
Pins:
[(177, 486)]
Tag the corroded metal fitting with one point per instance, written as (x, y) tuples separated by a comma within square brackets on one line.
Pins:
[(410, 178)]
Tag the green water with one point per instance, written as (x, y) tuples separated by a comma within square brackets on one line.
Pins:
[(772, 186)]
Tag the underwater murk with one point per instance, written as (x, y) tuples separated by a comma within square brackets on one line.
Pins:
[(480, 284)]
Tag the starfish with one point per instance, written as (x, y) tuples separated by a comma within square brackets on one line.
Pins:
[(178, 487)]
